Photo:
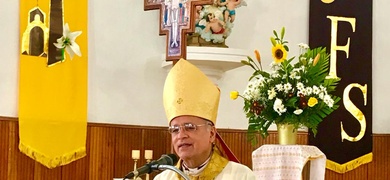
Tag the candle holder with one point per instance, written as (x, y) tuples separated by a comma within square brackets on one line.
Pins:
[(135, 155), (147, 175), (148, 157), (148, 154)]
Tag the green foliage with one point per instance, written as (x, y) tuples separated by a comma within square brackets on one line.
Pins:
[(298, 94)]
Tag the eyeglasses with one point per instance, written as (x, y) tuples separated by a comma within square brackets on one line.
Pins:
[(175, 129)]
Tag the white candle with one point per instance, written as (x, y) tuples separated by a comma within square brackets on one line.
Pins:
[(148, 154), (135, 154)]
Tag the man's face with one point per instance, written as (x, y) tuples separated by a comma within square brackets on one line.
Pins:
[(189, 143)]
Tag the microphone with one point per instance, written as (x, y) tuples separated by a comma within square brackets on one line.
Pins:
[(166, 159)]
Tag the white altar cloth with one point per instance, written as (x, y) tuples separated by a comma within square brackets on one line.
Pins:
[(286, 162)]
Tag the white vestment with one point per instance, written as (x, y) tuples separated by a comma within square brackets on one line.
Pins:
[(232, 171)]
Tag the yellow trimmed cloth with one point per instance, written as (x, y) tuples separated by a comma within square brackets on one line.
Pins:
[(350, 165), (52, 97)]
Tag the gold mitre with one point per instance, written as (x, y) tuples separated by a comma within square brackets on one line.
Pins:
[(188, 91)]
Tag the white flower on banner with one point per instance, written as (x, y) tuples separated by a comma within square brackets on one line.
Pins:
[(68, 42)]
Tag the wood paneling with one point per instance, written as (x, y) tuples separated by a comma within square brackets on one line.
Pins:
[(20, 166), (101, 153), (109, 153), (4, 146), (381, 159), (125, 141)]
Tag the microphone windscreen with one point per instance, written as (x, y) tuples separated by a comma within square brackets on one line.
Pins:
[(174, 159)]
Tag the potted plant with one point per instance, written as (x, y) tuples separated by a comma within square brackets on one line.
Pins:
[(295, 94)]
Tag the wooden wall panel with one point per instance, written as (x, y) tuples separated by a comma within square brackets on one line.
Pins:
[(101, 153), (20, 166), (381, 161), (158, 140), (109, 153), (78, 169), (126, 140), (43, 173), (4, 144)]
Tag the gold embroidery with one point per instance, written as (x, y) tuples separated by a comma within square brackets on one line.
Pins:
[(213, 168), (334, 47), (355, 111)]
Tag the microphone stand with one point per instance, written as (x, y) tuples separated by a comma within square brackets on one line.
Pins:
[(173, 168), (163, 167)]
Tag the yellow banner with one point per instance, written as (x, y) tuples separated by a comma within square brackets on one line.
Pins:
[(52, 96)]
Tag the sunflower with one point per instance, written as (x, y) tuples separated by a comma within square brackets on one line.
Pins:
[(279, 53)]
